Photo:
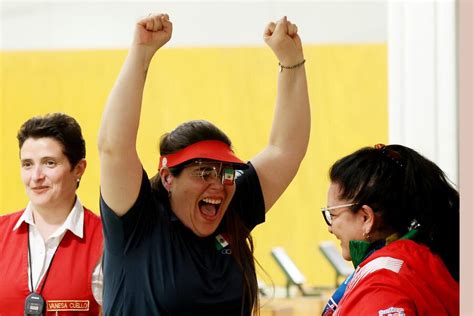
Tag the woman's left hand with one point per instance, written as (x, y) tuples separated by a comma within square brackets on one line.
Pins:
[(282, 37)]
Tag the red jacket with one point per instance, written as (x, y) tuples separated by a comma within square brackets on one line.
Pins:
[(68, 285), (402, 278)]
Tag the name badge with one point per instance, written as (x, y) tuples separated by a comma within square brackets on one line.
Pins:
[(67, 305)]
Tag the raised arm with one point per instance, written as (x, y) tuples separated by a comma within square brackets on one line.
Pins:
[(278, 163), (120, 166)]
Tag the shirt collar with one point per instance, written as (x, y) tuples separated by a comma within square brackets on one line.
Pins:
[(74, 221), (361, 249)]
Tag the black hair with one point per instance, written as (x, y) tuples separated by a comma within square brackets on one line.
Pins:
[(407, 189), (62, 128), (241, 241)]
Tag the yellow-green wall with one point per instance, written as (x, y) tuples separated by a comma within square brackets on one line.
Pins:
[(234, 88)]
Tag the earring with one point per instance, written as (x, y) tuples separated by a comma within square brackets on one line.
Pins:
[(78, 180), (169, 194), (366, 236)]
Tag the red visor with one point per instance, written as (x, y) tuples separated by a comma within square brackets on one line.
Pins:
[(207, 149)]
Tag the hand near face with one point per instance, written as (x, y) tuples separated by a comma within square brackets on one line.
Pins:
[(152, 32), (282, 37)]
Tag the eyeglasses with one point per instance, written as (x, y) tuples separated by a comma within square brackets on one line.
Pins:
[(328, 217), (209, 171)]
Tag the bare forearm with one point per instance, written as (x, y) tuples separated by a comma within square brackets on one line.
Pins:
[(292, 120), (121, 115), (121, 171), (278, 163)]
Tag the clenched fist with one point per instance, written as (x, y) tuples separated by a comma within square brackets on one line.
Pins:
[(153, 32), (282, 37)]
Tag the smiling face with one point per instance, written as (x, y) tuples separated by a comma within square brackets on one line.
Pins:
[(198, 196), (346, 225), (46, 174)]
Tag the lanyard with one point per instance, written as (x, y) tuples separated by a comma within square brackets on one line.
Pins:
[(30, 264)]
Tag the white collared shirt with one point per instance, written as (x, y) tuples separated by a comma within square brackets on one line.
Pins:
[(42, 251)]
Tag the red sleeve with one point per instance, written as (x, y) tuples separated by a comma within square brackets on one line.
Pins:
[(379, 294)]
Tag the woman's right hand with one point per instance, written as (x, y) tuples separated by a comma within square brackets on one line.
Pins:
[(120, 167), (152, 32)]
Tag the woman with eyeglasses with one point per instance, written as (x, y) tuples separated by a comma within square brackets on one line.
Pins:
[(180, 243), (397, 217)]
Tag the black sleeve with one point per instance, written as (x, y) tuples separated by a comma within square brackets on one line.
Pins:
[(248, 198), (125, 232)]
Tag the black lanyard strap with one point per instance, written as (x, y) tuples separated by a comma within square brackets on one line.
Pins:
[(31, 264)]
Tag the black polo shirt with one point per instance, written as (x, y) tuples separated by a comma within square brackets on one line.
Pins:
[(154, 265)]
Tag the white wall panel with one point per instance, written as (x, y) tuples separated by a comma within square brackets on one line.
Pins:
[(422, 80), (109, 24)]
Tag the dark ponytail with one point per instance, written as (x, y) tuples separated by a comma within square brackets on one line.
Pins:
[(408, 190)]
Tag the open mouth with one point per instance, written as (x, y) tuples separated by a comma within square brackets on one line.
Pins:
[(209, 207)]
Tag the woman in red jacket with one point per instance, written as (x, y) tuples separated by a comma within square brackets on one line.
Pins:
[(397, 217), (50, 251)]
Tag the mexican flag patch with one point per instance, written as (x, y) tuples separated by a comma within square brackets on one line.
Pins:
[(221, 242), (228, 177)]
